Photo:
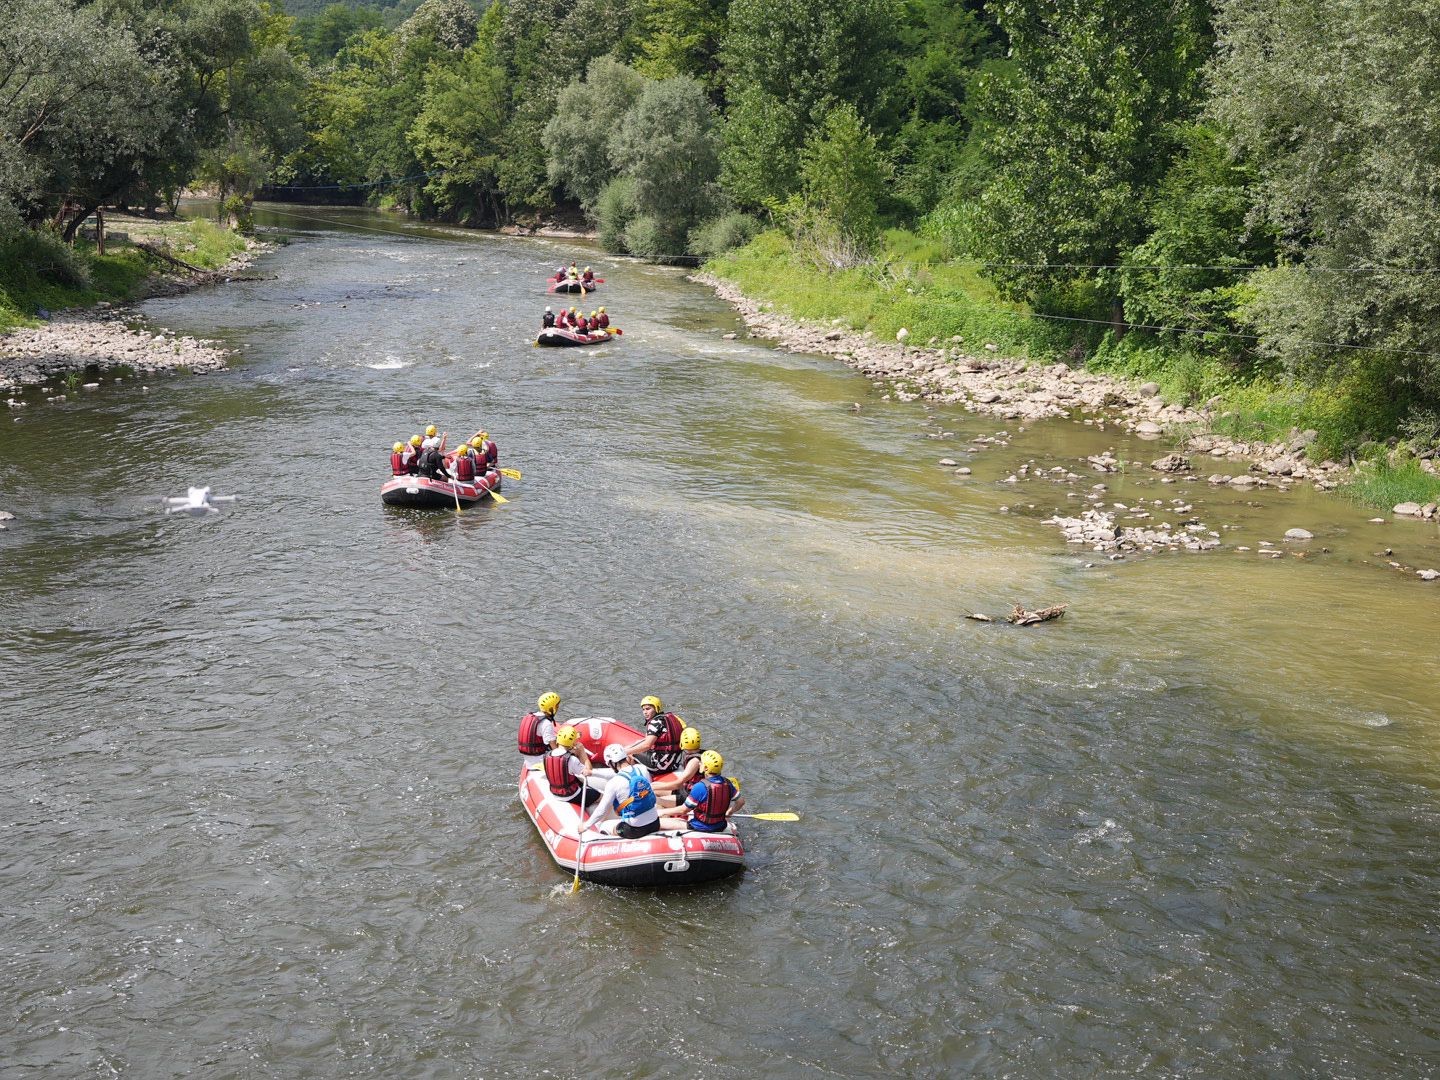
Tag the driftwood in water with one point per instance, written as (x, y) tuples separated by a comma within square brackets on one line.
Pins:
[(1021, 617)]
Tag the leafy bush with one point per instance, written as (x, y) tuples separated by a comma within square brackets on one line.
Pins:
[(44, 256), (721, 234), (614, 209), (654, 237)]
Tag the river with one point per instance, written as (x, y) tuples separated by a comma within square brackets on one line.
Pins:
[(259, 815)]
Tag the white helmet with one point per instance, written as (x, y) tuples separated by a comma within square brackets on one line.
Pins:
[(615, 755)]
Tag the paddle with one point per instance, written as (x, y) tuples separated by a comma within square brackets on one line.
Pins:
[(513, 474), (455, 490), (579, 858), (783, 816), (498, 498), (614, 330)]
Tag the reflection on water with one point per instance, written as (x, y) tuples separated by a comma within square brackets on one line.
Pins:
[(259, 808)]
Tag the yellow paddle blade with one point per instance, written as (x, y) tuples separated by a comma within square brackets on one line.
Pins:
[(784, 816), (513, 474), (498, 498)]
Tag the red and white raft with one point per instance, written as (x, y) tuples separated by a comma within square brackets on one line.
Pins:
[(423, 493), (660, 859)]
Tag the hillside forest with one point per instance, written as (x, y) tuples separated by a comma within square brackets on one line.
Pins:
[(1239, 198)]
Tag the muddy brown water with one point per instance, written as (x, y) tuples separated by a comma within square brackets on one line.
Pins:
[(258, 810)]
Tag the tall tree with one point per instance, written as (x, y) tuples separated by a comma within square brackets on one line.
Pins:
[(580, 137), (787, 63), (1081, 130), (1337, 105)]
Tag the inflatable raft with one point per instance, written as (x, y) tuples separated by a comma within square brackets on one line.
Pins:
[(422, 493), (555, 336), (660, 859), (570, 286)]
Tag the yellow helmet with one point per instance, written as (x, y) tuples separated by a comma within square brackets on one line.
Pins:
[(651, 700), (587, 269), (572, 311), (690, 739), (567, 737), (398, 447), (415, 440), (602, 309), (548, 703), (464, 450), (712, 762), (430, 431), (484, 435), (478, 441), (592, 314)]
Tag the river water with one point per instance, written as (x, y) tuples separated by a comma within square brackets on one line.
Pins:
[(259, 814)]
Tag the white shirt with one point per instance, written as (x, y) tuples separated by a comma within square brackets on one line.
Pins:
[(616, 792), (546, 731), (427, 443)]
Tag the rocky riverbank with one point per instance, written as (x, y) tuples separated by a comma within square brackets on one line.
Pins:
[(971, 375), (105, 338)]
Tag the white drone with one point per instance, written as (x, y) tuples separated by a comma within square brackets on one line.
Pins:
[(195, 502)]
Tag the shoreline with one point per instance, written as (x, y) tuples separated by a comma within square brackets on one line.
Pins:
[(106, 336), (1021, 391)]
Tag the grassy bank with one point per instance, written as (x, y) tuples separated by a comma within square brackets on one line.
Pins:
[(913, 284), (38, 273)]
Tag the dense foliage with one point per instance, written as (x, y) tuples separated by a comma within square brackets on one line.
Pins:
[(1246, 187)]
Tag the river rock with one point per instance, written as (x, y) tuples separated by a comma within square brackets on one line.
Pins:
[(1148, 427), (1427, 575), (1406, 509), (1429, 510), (949, 463), (1171, 463), (1299, 534), (1149, 389)]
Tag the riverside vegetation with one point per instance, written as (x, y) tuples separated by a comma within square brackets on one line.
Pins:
[(1242, 210)]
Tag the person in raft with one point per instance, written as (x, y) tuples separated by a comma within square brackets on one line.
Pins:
[(560, 273), (660, 749), (547, 320), (432, 438), (573, 273), (671, 792), (537, 729), (631, 794), (485, 449), (582, 325), (710, 803), (601, 319), (399, 462), (412, 455), (567, 768), (463, 467), (588, 277)]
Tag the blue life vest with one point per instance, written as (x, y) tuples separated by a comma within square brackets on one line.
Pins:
[(641, 796)]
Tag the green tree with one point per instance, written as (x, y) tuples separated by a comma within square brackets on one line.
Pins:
[(787, 63), (1189, 273), (456, 133), (580, 136), (843, 176), (667, 145), (1082, 124), (322, 35), (1337, 106), (682, 37)]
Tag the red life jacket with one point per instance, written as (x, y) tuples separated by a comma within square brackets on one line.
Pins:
[(583, 325), (530, 741), (465, 469), (492, 455), (557, 771), (602, 320), (717, 800), (397, 464), (587, 277), (668, 741)]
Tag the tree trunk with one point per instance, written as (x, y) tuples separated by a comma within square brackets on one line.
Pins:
[(73, 226), (99, 231), (1117, 318)]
